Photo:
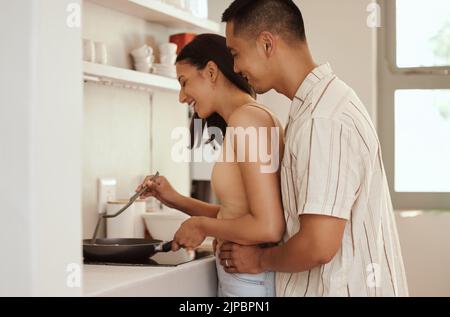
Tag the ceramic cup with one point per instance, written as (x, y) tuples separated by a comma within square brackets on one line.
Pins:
[(121, 227), (140, 209), (168, 49), (88, 51), (168, 59), (101, 53)]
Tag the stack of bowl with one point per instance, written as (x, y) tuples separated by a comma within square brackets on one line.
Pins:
[(143, 58), (168, 57)]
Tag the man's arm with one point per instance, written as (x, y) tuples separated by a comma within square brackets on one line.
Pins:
[(317, 243)]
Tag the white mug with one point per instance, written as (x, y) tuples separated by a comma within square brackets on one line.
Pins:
[(101, 53), (168, 59), (139, 223), (168, 49), (181, 4), (88, 50), (121, 227), (198, 8)]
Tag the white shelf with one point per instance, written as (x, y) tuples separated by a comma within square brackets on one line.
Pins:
[(127, 78), (162, 13)]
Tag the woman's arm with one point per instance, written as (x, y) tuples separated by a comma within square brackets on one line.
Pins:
[(196, 208), (162, 190), (246, 230)]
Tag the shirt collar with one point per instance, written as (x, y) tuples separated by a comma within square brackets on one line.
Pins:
[(314, 77)]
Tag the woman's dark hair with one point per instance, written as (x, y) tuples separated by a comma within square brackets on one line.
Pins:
[(203, 49)]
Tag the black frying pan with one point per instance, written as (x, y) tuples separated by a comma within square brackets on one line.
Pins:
[(122, 250)]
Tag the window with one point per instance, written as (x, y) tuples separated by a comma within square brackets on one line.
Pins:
[(422, 138), (423, 33), (414, 101)]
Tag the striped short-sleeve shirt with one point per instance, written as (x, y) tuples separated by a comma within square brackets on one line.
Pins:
[(333, 167)]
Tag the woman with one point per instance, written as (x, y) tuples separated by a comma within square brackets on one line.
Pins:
[(251, 209)]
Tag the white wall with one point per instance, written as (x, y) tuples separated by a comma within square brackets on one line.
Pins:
[(337, 32), (40, 163), (15, 123), (116, 143), (425, 242)]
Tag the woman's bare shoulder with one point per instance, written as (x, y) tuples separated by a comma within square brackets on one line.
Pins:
[(252, 116)]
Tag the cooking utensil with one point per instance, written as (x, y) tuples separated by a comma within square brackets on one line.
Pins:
[(130, 202), (122, 250)]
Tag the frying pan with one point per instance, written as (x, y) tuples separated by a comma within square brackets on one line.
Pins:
[(122, 250)]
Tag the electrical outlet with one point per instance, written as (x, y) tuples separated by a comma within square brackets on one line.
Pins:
[(106, 192)]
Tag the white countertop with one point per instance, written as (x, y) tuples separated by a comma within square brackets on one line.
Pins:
[(194, 279)]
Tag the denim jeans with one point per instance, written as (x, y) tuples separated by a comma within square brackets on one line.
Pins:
[(244, 285)]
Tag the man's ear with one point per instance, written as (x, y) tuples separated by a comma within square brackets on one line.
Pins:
[(211, 71), (267, 42)]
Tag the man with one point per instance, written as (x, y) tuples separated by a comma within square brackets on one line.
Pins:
[(341, 237)]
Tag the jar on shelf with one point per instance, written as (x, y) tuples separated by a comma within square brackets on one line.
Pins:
[(198, 8), (180, 4)]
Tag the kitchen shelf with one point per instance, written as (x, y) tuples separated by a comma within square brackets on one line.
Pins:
[(127, 78), (162, 13)]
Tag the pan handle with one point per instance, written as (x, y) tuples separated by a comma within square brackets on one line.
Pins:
[(164, 247), (167, 247)]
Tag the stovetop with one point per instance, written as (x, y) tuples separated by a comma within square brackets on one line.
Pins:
[(170, 259)]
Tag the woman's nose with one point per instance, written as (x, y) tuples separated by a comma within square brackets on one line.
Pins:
[(182, 96)]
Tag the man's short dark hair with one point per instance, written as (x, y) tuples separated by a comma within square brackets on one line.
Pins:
[(281, 17)]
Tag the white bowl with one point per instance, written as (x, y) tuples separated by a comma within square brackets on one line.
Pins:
[(164, 225), (165, 68), (142, 60), (145, 68), (142, 52)]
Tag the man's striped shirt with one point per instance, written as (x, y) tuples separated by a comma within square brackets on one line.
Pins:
[(333, 167)]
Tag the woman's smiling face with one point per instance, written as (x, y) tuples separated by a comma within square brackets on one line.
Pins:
[(196, 89)]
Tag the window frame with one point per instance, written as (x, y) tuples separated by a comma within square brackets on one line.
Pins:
[(390, 79)]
